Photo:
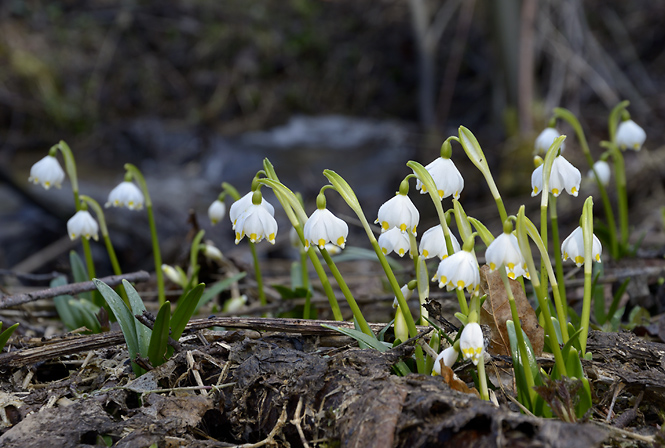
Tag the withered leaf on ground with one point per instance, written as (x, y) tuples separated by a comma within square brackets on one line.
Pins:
[(496, 311)]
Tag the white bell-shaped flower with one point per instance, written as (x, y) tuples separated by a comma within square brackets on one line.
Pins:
[(398, 212), (630, 135), (47, 172), (323, 227), (458, 271), (433, 243), (472, 342), (177, 276), (216, 211), (242, 204), (603, 171), (545, 140), (505, 250), (446, 176), (211, 252), (257, 223), (126, 194), (448, 356), (573, 247), (394, 241), (82, 224), (563, 176), (406, 292)]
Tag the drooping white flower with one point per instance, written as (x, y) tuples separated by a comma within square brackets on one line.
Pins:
[(82, 224), (126, 194), (177, 276), (506, 250), (630, 135), (458, 271), (47, 172), (433, 243), (448, 356), (472, 342), (323, 227), (216, 211), (406, 292), (602, 169), (398, 212), (257, 223), (545, 140), (211, 252), (573, 247), (563, 176), (394, 240), (242, 204), (446, 176)]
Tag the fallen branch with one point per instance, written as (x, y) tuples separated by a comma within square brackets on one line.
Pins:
[(73, 288)]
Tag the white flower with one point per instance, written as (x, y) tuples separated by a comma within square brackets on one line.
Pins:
[(82, 224), (235, 304), (216, 211), (323, 227), (545, 140), (126, 194), (398, 212), (573, 247), (211, 252), (242, 204), (472, 342), (446, 176), (394, 240), (47, 172), (433, 243), (563, 176), (459, 271), (257, 223), (602, 169), (506, 250), (630, 135), (406, 292), (177, 276), (448, 356)]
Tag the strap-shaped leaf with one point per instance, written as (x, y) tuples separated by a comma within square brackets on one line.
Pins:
[(159, 341), (79, 272), (184, 310), (143, 333), (4, 337)]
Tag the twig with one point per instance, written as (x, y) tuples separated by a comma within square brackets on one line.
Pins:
[(297, 418), (271, 437), (31, 277), (74, 288)]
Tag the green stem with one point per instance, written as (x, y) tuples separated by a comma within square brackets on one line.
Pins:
[(138, 176), (557, 255), (257, 274), (587, 229), (194, 258), (482, 379), (622, 197)]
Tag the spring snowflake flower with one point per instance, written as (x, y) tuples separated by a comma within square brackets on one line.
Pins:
[(448, 356), (630, 135), (433, 243), (176, 276), (47, 172), (211, 252), (505, 250), (602, 169), (545, 140), (573, 247), (216, 211), (394, 240), (82, 224), (459, 271), (563, 176), (398, 212), (242, 204), (126, 194), (472, 342), (323, 227), (406, 292), (257, 223), (446, 176)]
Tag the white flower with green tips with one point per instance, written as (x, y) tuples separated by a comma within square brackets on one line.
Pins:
[(323, 227), (505, 250), (394, 241), (458, 271), (433, 243), (630, 135), (242, 204), (216, 211), (472, 342), (573, 247), (47, 172), (211, 252), (398, 212), (448, 356), (563, 176), (126, 194), (545, 140), (82, 224), (177, 276), (602, 170), (257, 223), (446, 176)]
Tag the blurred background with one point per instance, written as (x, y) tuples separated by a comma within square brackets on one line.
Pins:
[(197, 92)]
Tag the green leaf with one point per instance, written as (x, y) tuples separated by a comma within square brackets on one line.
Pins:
[(617, 299), (185, 310), (360, 337), (482, 231), (160, 335), (143, 333), (86, 314), (79, 272), (5, 335), (218, 287), (61, 305)]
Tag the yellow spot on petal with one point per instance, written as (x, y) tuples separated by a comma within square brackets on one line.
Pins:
[(47, 184), (565, 256), (479, 350), (443, 279), (535, 190), (238, 236), (511, 275), (130, 204), (444, 256), (340, 241), (423, 188), (555, 191), (384, 225), (402, 227), (322, 243), (511, 266), (574, 190), (460, 284), (598, 258), (384, 250), (401, 252), (425, 253), (434, 373), (492, 266), (579, 259), (252, 237), (271, 237), (636, 146), (441, 193), (414, 230)]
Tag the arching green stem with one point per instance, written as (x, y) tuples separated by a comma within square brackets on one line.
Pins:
[(558, 261)]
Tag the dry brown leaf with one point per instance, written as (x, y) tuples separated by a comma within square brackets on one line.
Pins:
[(454, 382), (496, 311)]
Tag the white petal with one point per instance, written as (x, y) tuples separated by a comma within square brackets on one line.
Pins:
[(630, 135), (47, 172)]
